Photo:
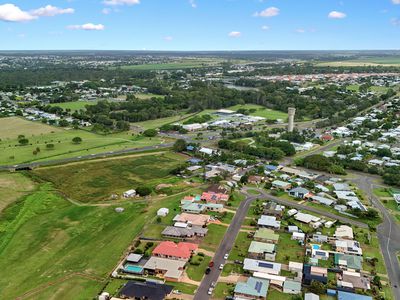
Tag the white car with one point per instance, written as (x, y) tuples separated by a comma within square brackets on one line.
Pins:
[(221, 266), (226, 256)]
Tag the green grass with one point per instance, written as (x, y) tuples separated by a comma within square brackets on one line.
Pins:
[(52, 238), (11, 127), (145, 96), (152, 124), (13, 153), (242, 244), (261, 111), (213, 237), (12, 187), (382, 193), (98, 180), (75, 105), (288, 249), (232, 269), (114, 286), (196, 272), (223, 290), (236, 199), (277, 295)]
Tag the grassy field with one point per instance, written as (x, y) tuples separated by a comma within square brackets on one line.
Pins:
[(47, 239), (11, 127), (196, 272), (41, 135), (288, 250), (242, 244), (372, 61), (145, 96), (75, 105), (223, 290), (98, 180), (213, 237), (12, 187), (152, 124), (181, 64), (261, 111)]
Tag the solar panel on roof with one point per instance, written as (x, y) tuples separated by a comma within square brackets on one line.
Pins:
[(265, 265), (320, 253), (258, 286)]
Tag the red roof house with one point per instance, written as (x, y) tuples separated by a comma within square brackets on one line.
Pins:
[(180, 251), (214, 197)]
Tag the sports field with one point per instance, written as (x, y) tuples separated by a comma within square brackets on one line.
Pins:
[(261, 111), (75, 105), (41, 135), (98, 180)]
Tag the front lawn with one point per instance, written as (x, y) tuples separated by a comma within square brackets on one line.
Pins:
[(223, 290), (213, 237), (197, 267), (242, 244)]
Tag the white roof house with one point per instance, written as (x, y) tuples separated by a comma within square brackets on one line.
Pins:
[(268, 221), (254, 265), (207, 151), (344, 232), (129, 194), (163, 212), (306, 218)]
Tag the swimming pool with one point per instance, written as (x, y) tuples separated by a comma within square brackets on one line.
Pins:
[(316, 247), (133, 269)]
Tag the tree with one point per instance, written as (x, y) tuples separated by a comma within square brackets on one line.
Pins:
[(150, 133), (50, 146), (77, 140), (180, 145), (23, 141), (317, 287), (143, 190), (63, 123)]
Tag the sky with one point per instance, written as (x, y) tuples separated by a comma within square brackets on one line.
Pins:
[(190, 25)]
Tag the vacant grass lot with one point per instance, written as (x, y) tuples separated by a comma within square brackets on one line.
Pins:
[(289, 250), (223, 290), (242, 244), (98, 180), (181, 64), (75, 105), (46, 239), (261, 111), (12, 187), (152, 124), (14, 153), (213, 237), (11, 127), (196, 272)]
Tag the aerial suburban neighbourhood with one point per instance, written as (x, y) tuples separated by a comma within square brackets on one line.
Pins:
[(207, 165)]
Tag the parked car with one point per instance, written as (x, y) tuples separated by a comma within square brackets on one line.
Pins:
[(213, 284), (226, 256), (208, 270), (211, 264), (221, 266)]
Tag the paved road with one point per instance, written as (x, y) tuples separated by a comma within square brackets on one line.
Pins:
[(225, 247), (265, 195), (388, 233)]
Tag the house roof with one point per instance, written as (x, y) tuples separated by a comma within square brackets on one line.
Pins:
[(193, 219), (268, 221), (352, 296), (292, 285), (167, 248), (253, 287), (262, 266), (299, 190), (173, 268), (214, 197), (145, 290), (184, 232), (258, 247)]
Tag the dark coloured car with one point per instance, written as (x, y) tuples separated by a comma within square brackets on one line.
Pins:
[(208, 270)]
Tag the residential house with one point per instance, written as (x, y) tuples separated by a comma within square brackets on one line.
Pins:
[(258, 250), (306, 218), (281, 185), (348, 262), (322, 200), (129, 194), (169, 269), (274, 209), (185, 232), (344, 232), (299, 192), (348, 247), (352, 296), (312, 273), (319, 254), (291, 287), (253, 288), (192, 219), (295, 267), (266, 235), (320, 238), (262, 266), (145, 290), (352, 280), (311, 296), (211, 197), (298, 236), (268, 222), (181, 251), (253, 179), (163, 212)]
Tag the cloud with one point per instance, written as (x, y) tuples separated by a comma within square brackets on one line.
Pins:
[(336, 15), (268, 12), (51, 11), (121, 2), (12, 13), (193, 3), (234, 34), (265, 27), (396, 1), (106, 11), (300, 30), (395, 21), (168, 38), (87, 26)]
